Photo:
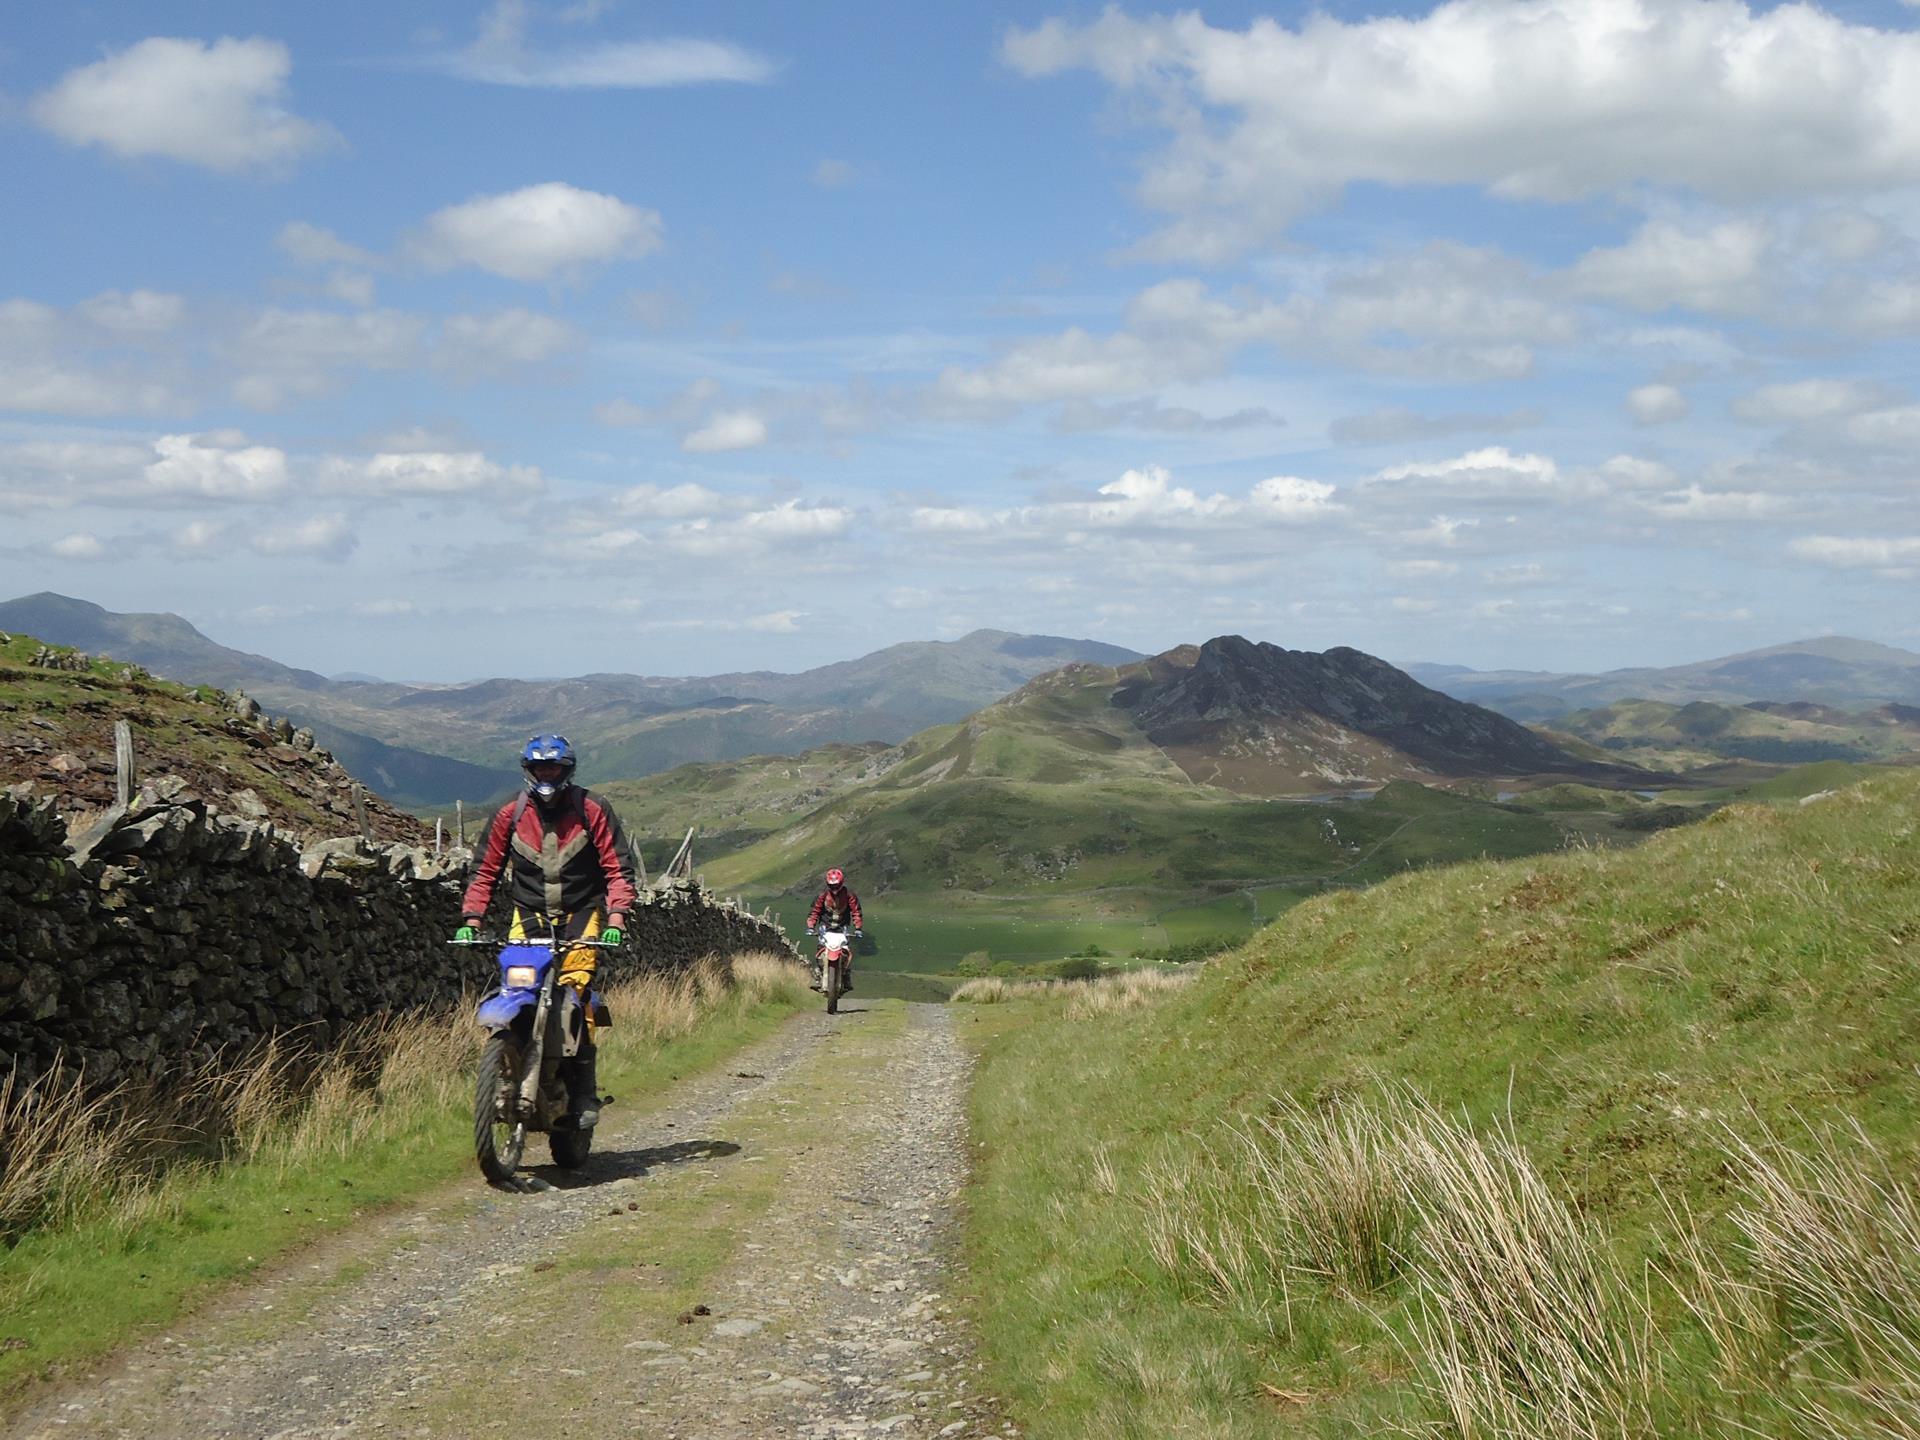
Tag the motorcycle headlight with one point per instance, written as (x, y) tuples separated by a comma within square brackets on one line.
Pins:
[(521, 977)]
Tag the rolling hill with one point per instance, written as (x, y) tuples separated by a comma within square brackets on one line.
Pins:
[(624, 725), (1832, 670), (1120, 795), (1702, 732)]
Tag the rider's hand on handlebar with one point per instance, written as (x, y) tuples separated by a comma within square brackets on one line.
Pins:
[(465, 935), (613, 935), (856, 932)]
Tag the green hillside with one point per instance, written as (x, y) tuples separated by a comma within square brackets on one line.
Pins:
[(1659, 735), (1617, 1024)]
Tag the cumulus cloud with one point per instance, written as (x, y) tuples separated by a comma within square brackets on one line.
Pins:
[(1078, 417), (1494, 472), (502, 55), (1801, 402), (1395, 423), (1694, 502), (537, 233), (78, 546), (727, 430), (326, 537), (219, 105), (1141, 503), (1888, 553), (1721, 268), (283, 354), (1446, 311), (215, 467), (311, 244), (428, 472), (1656, 404), (504, 340), (136, 313), (1541, 99)]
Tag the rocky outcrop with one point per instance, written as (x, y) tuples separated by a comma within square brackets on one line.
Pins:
[(1229, 685), (171, 930)]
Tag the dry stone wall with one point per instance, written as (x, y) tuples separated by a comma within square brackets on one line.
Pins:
[(174, 931)]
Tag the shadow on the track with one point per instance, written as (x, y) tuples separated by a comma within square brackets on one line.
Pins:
[(606, 1166)]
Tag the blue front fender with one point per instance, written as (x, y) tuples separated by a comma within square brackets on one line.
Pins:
[(497, 1011)]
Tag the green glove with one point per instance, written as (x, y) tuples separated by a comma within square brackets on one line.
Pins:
[(613, 935), (465, 935)]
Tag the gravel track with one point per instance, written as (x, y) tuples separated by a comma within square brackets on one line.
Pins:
[(830, 1302)]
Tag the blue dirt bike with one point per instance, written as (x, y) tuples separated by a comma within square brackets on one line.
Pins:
[(535, 1026)]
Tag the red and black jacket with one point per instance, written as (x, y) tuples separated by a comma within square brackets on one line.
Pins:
[(841, 907), (568, 860)]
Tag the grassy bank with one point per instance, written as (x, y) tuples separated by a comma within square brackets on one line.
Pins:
[(1276, 1202), (121, 1212)]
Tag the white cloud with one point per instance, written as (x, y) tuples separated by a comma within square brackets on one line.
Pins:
[(281, 354), (1896, 428), (504, 339), (676, 502), (220, 105), (1720, 269), (1800, 402), (1894, 553), (78, 546), (537, 233), (1530, 99), (501, 56), (428, 472), (311, 244), (1078, 417), (1289, 498), (329, 537), (1141, 503), (215, 468), (727, 430), (141, 312), (832, 174), (1697, 503), (199, 537), (1656, 404), (1493, 472), (776, 622)]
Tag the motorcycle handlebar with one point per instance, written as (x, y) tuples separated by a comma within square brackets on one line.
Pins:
[(547, 941)]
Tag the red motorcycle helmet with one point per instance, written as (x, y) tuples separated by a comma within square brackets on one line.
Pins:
[(835, 877)]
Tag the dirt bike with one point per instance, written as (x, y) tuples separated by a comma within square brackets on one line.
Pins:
[(834, 955), (536, 1025)]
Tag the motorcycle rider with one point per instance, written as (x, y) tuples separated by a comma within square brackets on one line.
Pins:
[(837, 908), (567, 867)]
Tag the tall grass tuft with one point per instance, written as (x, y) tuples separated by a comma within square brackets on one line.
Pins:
[(1822, 1305), (1527, 1326), (1125, 990), (70, 1152)]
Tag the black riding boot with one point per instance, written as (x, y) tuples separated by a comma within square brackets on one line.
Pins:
[(583, 1088)]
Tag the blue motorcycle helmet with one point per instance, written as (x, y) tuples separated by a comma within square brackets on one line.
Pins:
[(548, 761)]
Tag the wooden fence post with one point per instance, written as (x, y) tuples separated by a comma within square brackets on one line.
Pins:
[(439, 827), (124, 778), (460, 822)]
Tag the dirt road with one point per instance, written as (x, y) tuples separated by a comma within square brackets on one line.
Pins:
[(766, 1254)]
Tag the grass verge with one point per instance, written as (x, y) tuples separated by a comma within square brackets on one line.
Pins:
[(1633, 1134), (124, 1211)]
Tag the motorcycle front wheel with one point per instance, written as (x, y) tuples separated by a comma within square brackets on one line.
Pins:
[(830, 982), (497, 1140)]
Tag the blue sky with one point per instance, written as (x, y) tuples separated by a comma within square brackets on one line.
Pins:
[(539, 338)]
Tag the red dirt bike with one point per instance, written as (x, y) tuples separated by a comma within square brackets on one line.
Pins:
[(832, 959)]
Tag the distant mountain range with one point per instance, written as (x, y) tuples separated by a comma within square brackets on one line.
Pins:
[(1833, 670), (431, 744), (1156, 773)]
